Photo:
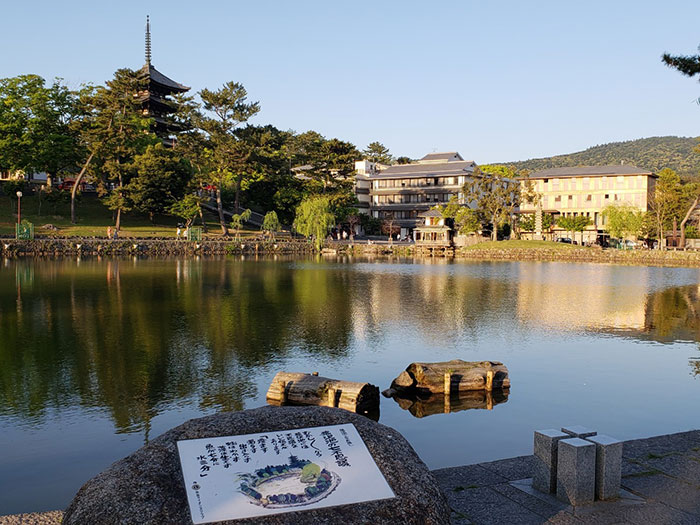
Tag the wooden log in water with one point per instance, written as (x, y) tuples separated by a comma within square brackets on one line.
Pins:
[(311, 389), (450, 376)]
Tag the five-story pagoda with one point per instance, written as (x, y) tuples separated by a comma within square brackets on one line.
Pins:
[(155, 100)]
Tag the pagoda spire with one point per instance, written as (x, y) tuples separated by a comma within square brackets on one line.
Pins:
[(148, 40)]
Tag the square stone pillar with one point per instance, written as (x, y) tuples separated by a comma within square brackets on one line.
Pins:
[(578, 431), (576, 471), (608, 466), (544, 477)]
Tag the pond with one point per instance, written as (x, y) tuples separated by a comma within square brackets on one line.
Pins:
[(98, 357)]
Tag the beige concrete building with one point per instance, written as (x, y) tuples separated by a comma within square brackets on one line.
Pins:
[(403, 191), (587, 190)]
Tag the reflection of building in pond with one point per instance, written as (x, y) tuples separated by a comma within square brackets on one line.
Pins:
[(422, 406), (588, 297)]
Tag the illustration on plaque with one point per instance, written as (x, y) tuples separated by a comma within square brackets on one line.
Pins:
[(243, 476), (295, 483)]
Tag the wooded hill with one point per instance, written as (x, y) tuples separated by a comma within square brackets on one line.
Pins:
[(653, 153)]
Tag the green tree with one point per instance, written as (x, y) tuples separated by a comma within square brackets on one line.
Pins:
[(527, 222), (494, 192), (326, 162), (691, 199), (237, 220), (403, 160), (666, 202), (36, 126), (227, 108), (451, 209), (623, 220), (314, 218), (187, 208), (378, 152), (581, 222), (121, 132), (271, 224), (467, 221), (567, 224), (688, 65), (161, 177)]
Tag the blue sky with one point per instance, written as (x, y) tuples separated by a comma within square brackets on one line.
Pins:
[(497, 81)]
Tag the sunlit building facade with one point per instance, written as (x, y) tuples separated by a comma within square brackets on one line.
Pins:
[(587, 190), (403, 191)]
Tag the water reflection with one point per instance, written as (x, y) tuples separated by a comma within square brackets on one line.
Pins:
[(132, 337), (128, 348), (428, 405)]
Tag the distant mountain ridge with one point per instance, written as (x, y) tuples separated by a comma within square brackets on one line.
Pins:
[(653, 153)]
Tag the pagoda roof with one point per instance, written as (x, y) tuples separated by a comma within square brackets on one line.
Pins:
[(159, 78)]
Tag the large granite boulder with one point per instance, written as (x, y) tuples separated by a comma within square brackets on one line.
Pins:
[(147, 487)]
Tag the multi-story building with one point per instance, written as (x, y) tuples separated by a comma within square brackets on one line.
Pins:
[(587, 190), (403, 191)]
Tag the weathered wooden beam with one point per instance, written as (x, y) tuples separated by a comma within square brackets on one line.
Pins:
[(312, 389), (463, 375)]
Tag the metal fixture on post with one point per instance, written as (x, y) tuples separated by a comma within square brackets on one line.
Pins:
[(19, 212)]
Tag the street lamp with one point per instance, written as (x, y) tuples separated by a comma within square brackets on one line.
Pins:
[(19, 212)]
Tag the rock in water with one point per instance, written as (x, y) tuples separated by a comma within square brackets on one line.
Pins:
[(147, 487)]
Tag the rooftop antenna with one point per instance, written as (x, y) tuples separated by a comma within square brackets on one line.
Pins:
[(148, 40)]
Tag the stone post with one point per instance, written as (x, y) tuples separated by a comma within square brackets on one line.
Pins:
[(578, 431), (608, 466), (544, 477), (576, 471)]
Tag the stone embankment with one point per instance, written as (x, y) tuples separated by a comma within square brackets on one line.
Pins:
[(49, 247), (594, 255), (77, 246)]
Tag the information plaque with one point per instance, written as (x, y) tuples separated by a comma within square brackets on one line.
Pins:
[(235, 477)]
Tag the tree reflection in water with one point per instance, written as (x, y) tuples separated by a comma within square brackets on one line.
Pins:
[(135, 338)]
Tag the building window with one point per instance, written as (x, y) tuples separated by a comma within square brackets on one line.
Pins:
[(571, 197), (607, 196), (589, 197), (546, 181), (557, 198)]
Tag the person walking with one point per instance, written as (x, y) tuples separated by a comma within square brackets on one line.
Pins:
[(109, 232)]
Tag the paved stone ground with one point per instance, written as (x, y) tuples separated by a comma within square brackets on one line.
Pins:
[(660, 478)]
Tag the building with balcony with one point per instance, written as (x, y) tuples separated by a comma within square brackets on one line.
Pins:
[(403, 191), (587, 190)]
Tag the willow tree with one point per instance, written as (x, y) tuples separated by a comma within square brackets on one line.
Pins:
[(227, 108), (314, 218)]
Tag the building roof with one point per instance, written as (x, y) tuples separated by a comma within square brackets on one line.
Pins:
[(590, 171), (159, 78), (431, 213), (446, 156), (425, 170)]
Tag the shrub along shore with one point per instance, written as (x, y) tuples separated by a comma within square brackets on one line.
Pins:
[(487, 251)]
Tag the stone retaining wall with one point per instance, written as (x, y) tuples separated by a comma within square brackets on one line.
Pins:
[(52, 247), (147, 247)]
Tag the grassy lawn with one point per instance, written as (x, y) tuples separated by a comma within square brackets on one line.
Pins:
[(93, 220), (524, 245)]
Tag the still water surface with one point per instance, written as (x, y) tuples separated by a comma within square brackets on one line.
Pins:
[(97, 357)]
